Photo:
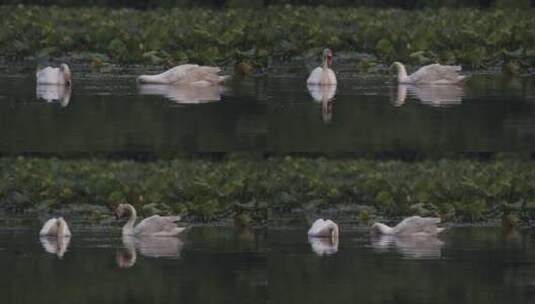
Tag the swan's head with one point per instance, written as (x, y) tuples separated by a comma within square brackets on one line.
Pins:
[(397, 65), (66, 72), (124, 210), (327, 57)]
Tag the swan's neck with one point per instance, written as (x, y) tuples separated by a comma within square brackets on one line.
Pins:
[(382, 228), (149, 79), (61, 229), (327, 62), (128, 228), (402, 73), (334, 230)]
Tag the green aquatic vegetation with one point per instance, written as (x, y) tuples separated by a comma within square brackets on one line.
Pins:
[(248, 191), (474, 38)]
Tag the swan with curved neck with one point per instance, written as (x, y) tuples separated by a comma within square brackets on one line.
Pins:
[(57, 76), (324, 228), (152, 226), (323, 75), (414, 225), (429, 74)]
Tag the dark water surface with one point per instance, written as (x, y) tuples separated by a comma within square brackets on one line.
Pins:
[(224, 265), (105, 114)]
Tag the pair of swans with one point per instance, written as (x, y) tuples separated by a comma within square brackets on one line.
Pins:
[(434, 74), (154, 226), (414, 225), (324, 234), (55, 234), (187, 83)]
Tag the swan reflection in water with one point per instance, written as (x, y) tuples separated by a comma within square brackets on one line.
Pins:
[(432, 95), (325, 95), (183, 94), (55, 245), (52, 93), (412, 246), (323, 245), (154, 247)]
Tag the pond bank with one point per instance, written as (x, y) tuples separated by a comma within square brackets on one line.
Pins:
[(364, 39), (257, 192)]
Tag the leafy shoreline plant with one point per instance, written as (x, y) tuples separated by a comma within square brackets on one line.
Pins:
[(203, 190), (477, 39)]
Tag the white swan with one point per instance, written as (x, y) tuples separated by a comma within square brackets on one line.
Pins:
[(52, 93), (189, 74), (433, 95), (324, 228), (430, 74), (152, 226), (414, 225), (55, 227), (50, 75), (183, 94), (323, 75)]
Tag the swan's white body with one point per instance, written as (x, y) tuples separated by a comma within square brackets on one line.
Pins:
[(184, 94), (55, 227), (158, 226), (323, 75), (430, 74), (433, 95), (324, 228), (58, 76), (52, 93), (414, 225), (186, 74)]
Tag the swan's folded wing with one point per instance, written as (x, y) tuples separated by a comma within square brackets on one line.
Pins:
[(417, 224), (156, 223), (435, 73)]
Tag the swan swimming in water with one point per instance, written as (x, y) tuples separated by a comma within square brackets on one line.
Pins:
[(55, 227), (152, 226), (414, 225), (323, 75), (186, 74), (324, 228), (430, 74), (58, 76)]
